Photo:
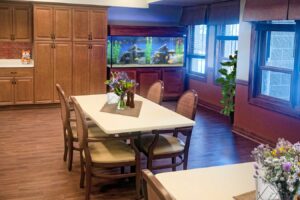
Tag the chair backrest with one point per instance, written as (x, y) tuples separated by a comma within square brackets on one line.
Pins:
[(64, 106), (81, 124), (156, 92), (152, 188), (187, 104)]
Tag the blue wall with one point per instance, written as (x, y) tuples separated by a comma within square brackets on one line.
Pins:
[(158, 15)]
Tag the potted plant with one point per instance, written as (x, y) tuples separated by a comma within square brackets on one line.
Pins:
[(120, 84), (228, 84)]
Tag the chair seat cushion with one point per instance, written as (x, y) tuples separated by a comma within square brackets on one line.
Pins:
[(110, 152), (93, 132), (166, 144)]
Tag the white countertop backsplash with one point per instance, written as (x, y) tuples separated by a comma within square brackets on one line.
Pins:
[(6, 63)]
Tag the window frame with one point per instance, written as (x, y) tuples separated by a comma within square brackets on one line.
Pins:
[(189, 55), (291, 107), (219, 52)]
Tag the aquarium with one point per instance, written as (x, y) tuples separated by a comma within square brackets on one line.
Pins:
[(128, 51)]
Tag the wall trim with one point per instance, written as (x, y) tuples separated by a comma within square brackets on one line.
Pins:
[(209, 106), (30, 106), (242, 82), (251, 136)]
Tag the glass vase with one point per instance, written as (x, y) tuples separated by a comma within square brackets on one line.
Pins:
[(121, 103)]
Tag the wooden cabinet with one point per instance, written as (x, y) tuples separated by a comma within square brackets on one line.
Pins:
[(52, 23), (7, 91), (81, 74), (43, 72), (97, 70), (62, 26), (23, 91), (16, 86), (5, 22), (22, 23), (91, 24), (146, 77), (62, 64), (173, 78), (88, 71), (53, 64), (15, 22), (174, 82)]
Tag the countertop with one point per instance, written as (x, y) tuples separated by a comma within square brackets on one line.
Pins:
[(7, 63)]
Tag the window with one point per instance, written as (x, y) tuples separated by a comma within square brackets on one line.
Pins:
[(196, 56), (226, 44), (276, 67)]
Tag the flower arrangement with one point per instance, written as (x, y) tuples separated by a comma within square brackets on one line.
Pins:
[(120, 84), (279, 166)]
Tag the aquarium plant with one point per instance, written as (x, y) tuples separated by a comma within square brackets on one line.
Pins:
[(116, 49), (108, 52), (148, 50), (179, 48), (227, 82)]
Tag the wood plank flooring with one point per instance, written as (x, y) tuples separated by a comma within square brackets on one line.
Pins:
[(32, 168)]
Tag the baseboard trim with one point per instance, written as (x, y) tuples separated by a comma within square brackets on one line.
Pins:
[(251, 136), (241, 82), (29, 106), (209, 106)]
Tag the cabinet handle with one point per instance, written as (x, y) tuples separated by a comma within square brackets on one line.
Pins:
[(13, 72), (90, 36), (54, 37), (13, 37)]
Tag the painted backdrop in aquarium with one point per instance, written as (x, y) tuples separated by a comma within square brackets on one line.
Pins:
[(126, 51)]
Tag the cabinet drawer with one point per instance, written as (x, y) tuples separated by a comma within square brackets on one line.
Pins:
[(17, 72)]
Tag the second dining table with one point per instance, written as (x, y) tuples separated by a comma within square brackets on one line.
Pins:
[(152, 116)]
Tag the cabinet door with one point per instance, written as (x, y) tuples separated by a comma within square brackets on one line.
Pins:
[(62, 23), (5, 23), (81, 24), (97, 68), (43, 72), (43, 22), (146, 78), (62, 64), (98, 25), (24, 90), (22, 23), (81, 69), (7, 91), (174, 83)]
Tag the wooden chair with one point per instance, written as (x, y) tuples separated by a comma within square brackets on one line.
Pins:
[(105, 153), (161, 144), (156, 92), (69, 128), (152, 188)]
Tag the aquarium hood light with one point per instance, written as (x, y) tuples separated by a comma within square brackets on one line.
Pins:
[(109, 3)]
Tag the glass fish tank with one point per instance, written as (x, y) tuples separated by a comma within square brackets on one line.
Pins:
[(129, 51)]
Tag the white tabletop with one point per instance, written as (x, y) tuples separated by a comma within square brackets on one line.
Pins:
[(10, 63), (223, 182), (152, 116)]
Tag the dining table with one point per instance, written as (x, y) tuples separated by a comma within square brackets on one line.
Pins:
[(151, 116), (211, 183)]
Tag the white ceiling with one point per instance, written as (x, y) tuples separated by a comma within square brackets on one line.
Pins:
[(183, 2)]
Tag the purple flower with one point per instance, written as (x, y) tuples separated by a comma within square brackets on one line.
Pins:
[(286, 166)]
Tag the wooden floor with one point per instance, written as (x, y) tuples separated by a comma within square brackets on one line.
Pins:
[(31, 164)]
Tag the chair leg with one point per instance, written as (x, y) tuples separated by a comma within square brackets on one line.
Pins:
[(88, 186), (70, 160), (65, 149), (138, 179), (174, 162), (149, 163), (185, 161), (82, 173)]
